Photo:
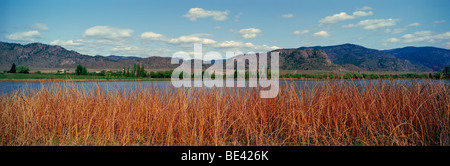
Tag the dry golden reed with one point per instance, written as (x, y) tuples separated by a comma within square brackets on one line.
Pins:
[(380, 113)]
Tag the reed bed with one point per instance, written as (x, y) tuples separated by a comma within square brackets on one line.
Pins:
[(341, 113)]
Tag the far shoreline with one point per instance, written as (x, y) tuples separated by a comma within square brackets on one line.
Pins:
[(169, 79)]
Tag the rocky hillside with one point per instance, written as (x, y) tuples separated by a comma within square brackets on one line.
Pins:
[(305, 59), (37, 55), (355, 57)]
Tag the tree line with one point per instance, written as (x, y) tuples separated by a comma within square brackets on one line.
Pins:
[(436, 75), (138, 71)]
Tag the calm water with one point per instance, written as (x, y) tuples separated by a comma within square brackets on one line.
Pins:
[(7, 87)]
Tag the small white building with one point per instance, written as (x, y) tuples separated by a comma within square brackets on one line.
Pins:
[(64, 71)]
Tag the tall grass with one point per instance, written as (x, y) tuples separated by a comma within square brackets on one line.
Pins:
[(381, 113)]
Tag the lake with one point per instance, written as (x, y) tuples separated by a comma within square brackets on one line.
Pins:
[(7, 87)]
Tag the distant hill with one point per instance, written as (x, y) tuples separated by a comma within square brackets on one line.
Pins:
[(116, 58), (356, 57), (431, 57), (346, 57), (37, 55)]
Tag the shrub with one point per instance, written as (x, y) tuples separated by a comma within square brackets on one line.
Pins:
[(23, 69)]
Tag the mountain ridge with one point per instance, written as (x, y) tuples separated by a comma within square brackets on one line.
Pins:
[(360, 58), (431, 57), (350, 57)]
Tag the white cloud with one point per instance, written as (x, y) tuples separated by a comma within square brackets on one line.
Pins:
[(424, 36), (264, 47), (250, 32), (400, 30), (78, 45), (336, 18), (344, 16), (372, 24), (195, 13), (24, 36), (366, 8), (107, 32), (138, 51), (323, 34), (201, 34), (413, 24), (362, 13), (396, 30), (66, 43), (420, 36), (287, 15), (152, 36), (297, 32), (240, 46), (231, 44), (217, 27), (191, 39), (126, 48), (194, 38), (39, 26), (440, 21), (393, 40)]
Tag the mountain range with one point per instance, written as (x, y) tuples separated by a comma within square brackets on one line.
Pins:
[(345, 57)]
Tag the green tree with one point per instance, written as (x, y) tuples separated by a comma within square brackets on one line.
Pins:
[(438, 75), (142, 71), (108, 75), (137, 71), (357, 75), (374, 76), (13, 68), (152, 74), (348, 76), (22, 69), (102, 73), (81, 70)]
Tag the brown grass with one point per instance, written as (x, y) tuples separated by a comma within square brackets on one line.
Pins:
[(330, 113)]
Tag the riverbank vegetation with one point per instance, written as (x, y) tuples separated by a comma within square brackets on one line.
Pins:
[(138, 72), (118, 74)]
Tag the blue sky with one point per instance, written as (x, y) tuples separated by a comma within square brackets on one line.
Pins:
[(161, 28)]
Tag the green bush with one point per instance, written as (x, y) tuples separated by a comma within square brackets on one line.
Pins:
[(22, 69)]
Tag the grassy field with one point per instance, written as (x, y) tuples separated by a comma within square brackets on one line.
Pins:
[(331, 113)]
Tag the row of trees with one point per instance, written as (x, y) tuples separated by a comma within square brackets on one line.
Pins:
[(138, 70), (437, 75), (18, 69)]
